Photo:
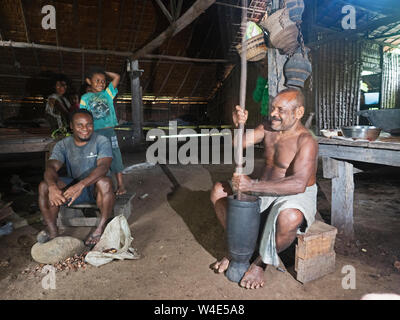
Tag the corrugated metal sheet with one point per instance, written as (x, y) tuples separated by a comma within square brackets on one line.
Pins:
[(391, 81), (336, 83)]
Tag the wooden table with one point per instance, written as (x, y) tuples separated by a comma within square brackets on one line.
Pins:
[(14, 140), (336, 154)]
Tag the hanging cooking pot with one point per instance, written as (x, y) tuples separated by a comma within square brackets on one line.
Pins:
[(297, 68), (283, 32)]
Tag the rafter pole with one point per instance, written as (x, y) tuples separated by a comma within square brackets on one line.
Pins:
[(188, 17), (165, 11), (110, 52)]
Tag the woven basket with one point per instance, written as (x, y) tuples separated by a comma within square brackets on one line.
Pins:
[(283, 32), (256, 48)]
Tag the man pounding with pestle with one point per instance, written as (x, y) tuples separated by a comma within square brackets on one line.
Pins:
[(287, 185), (87, 157)]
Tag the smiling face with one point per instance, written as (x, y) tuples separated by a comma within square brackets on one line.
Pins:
[(97, 82), (82, 127), (285, 111)]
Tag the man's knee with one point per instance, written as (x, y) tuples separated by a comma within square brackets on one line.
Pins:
[(289, 220), (218, 191), (104, 185)]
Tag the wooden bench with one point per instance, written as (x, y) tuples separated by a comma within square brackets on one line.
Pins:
[(74, 216), (315, 255)]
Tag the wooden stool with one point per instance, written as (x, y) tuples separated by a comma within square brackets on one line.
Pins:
[(315, 255), (74, 216)]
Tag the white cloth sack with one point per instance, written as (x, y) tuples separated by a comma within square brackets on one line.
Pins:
[(116, 235)]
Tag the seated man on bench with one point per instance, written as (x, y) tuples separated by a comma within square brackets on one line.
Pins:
[(87, 157)]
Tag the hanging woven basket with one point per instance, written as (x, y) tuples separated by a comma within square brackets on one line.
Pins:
[(283, 32), (295, 9), (297, 69), (256, 48)]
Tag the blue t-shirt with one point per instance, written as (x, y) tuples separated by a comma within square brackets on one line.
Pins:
[(80, 161), (101, 105)]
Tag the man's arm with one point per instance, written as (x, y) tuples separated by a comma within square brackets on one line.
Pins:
[(51, 177), (303, 167), (239, 116), (100, 171), (115, 78)]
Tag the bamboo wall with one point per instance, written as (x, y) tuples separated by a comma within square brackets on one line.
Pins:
[(391, 81), (336, 83)]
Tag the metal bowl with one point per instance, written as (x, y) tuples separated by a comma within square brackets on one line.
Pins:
[(370, 133)]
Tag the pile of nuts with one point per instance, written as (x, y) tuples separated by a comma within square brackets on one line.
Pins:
[(70, 264)]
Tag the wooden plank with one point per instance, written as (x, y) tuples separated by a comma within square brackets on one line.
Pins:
[(24, 147), (379, 156), (390, 143), (342, 199)]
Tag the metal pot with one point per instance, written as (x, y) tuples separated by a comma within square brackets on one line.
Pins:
[(361, 132)]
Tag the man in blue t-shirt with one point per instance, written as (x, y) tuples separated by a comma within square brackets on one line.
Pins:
[(87, 157)]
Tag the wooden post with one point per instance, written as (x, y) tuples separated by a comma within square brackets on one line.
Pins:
[(342, 198), (136, 103)]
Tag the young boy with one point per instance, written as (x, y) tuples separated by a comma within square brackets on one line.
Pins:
[(99, 100)]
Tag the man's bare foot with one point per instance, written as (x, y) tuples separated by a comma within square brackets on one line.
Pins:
[(220, 266), (254, 277), (120, 191)]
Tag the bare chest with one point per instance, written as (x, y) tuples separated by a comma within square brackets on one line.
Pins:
[(280, 152)]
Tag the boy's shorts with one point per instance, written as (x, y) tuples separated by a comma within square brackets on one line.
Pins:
[(116, 164), (87, 195)]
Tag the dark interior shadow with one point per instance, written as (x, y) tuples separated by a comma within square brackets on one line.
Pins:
[(197, 212)]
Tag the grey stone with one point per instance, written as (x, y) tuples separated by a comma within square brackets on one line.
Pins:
[(57, 249)]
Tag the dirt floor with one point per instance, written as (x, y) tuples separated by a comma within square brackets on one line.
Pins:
[(179, 237)]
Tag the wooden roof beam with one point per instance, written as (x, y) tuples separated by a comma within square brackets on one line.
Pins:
[(187, 18), (109, 52)]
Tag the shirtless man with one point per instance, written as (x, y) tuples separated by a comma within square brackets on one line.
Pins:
[(287, 183), (87, 157)]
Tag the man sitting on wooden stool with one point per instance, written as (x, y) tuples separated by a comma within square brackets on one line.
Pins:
[(87, 157), (287, 185)]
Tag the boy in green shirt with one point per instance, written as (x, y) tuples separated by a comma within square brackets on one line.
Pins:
[(100, 102)]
